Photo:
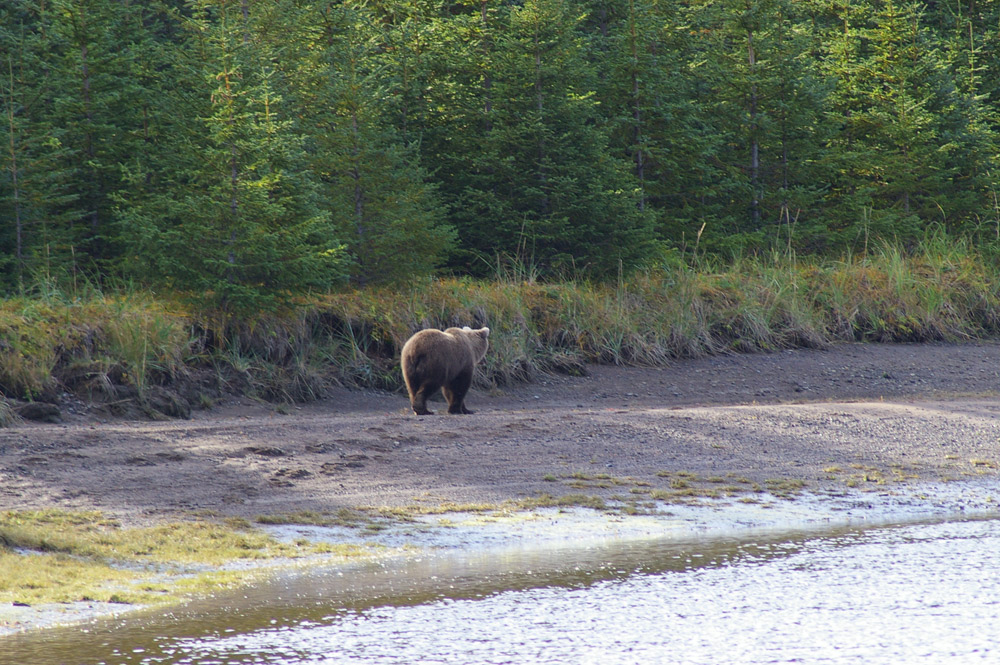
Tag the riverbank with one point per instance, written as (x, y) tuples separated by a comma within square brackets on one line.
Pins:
[(852, 415), (764, 433), (481, 552)]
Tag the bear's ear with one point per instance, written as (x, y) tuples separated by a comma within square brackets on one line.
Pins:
[(484, 331)]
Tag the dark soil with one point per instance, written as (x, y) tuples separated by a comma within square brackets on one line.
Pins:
[(868, 416)]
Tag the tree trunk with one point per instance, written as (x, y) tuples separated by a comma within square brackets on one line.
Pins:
[(89, 148), (487, 78), (754, 138), (359, 201), (640, 167), (543, 178), (18, 230)]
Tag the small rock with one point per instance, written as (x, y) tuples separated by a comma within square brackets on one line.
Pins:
[(266, 451), (168, 403), (331, 468), (40, 412), (294, 474), (321, 448)]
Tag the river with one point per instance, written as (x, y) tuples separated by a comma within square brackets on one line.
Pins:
[(919, 590)]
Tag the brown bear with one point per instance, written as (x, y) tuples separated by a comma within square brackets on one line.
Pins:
[(433, 359)]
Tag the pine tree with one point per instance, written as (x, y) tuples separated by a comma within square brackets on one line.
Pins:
[(97, 99), (239, 223), (904, 140), (653, 92), (383, 207), (969, 33), (761, 125), (527, 166), (36, 198)]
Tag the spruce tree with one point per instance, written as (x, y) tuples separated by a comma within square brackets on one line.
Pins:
[(536, 178), (760, 104), (904, 136), (363, 105), (37, 196), (239, 223), (969, 33), (98, 99)]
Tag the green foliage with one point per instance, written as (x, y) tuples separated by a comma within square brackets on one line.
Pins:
[(104, 346), (243, 228), (247, 152), (384, 209), (526, 162), (37, 197), (905, 152)]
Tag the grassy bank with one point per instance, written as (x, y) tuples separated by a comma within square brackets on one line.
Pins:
[(58, 557), (114, 347)]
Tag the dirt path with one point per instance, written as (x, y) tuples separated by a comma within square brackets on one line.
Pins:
[(853, 414)]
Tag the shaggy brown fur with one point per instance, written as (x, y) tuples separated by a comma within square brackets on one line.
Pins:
[(433, 360)]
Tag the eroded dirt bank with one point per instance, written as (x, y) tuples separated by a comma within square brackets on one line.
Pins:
[(858, 415)]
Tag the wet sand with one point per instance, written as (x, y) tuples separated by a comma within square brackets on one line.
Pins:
[(877, 422)]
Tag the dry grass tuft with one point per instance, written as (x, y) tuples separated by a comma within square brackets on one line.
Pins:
[(101, 345)]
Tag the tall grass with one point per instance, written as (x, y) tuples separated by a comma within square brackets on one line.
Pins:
[(90, 344), (944, 290)]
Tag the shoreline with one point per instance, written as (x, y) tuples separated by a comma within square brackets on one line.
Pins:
[(911, 429), (463, 537)]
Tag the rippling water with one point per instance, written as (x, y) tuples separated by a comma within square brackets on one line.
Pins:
[(918, 593), (926, 592)]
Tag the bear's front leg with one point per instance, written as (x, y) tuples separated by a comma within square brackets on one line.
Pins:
[(456, 391)]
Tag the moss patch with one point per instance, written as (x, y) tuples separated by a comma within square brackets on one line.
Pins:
[(57, 556)]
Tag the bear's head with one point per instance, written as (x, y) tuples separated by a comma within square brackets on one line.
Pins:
[(478, 340)]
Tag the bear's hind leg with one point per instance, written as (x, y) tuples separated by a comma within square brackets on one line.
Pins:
[(418, 400)]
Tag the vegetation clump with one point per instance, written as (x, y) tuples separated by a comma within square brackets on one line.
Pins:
[(56, 556), (115, 347), (284, 147), (301, 186)]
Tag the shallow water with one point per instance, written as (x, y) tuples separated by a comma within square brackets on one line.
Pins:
[(918, 592)]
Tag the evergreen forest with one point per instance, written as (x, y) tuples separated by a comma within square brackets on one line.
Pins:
[(248, 150)]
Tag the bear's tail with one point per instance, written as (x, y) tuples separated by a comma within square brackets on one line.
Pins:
[(412, 363)]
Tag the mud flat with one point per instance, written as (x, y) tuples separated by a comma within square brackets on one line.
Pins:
[(503, 543), (854, 432)]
